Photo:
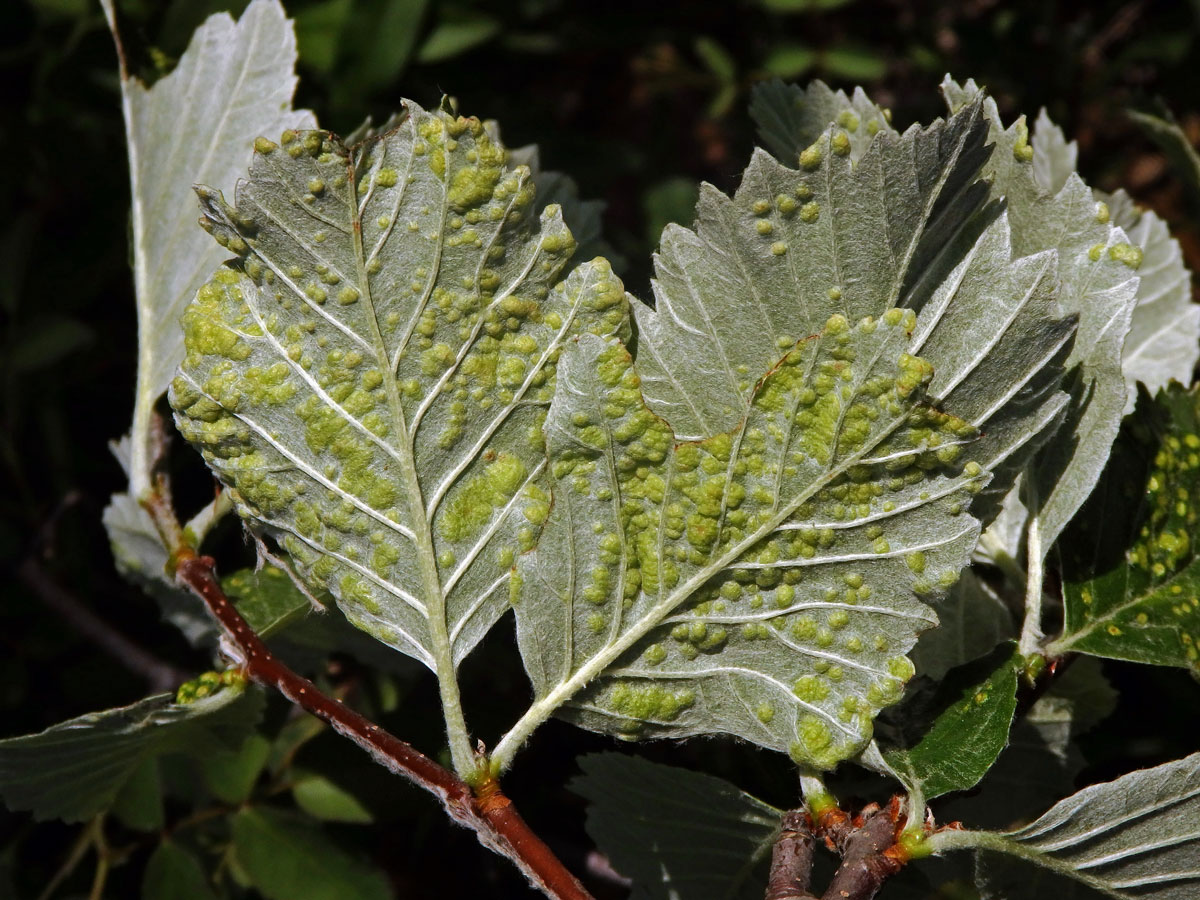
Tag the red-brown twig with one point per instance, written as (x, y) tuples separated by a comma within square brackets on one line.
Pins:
[(486, 810), (870, 854), (791, 859)]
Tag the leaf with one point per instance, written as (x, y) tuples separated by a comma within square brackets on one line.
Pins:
[(139, 803), (854, 63), (794, 247), (667, 201), (971, 731), (1097, 282), (267, 599), (1042, 758), (790, 60), (1054, 157), (716, 59), (972, 620), (232, 774), (1132, 566), (74, 770), (616, 587), (322, 799), (750, 583), (790, 118), (287, 859), (141, 559), (1164, 130), (371, 377), (583, 217), (46, 340), (1010, 394), (794, 6), (1133, 837), (195, 125), (677, 834), (175, 872), (377, 45), (1164, 332), (455, 34), (319, 32)]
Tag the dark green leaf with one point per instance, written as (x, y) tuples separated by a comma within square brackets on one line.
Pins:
[(456, 34), (1042, 758), (854, 63), (287, 859), (231, 775), (790, 60), (667, 201), (46, 341), (267, 599), (969, 734), (380, 37), (1132, 576), (174, 873), (322, 799), (75, 769), (318, 33), (801, 6), (678, 834), (139, 804), (716, 59)]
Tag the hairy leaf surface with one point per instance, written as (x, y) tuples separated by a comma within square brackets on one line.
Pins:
[(1097, 282), (677, 834), (996, 341), (371, 375), (195, 125), (791, 248), (1138, 836), (894, 221), (1132, 566), (763, 582), (790, 118), (1164, 333), (75, 769)]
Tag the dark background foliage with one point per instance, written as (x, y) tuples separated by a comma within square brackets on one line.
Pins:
[(639, 101)]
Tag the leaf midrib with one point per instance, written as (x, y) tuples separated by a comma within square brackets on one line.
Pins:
[(435, 600), (542, 709)]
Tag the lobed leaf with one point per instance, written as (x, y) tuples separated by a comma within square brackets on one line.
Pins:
[(891, 227), (1097, 283), (371, 375), (790, 118), (839, 236), (1164, 333), (761, 582), (676, 834), (1132, 570), (75, 770)]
